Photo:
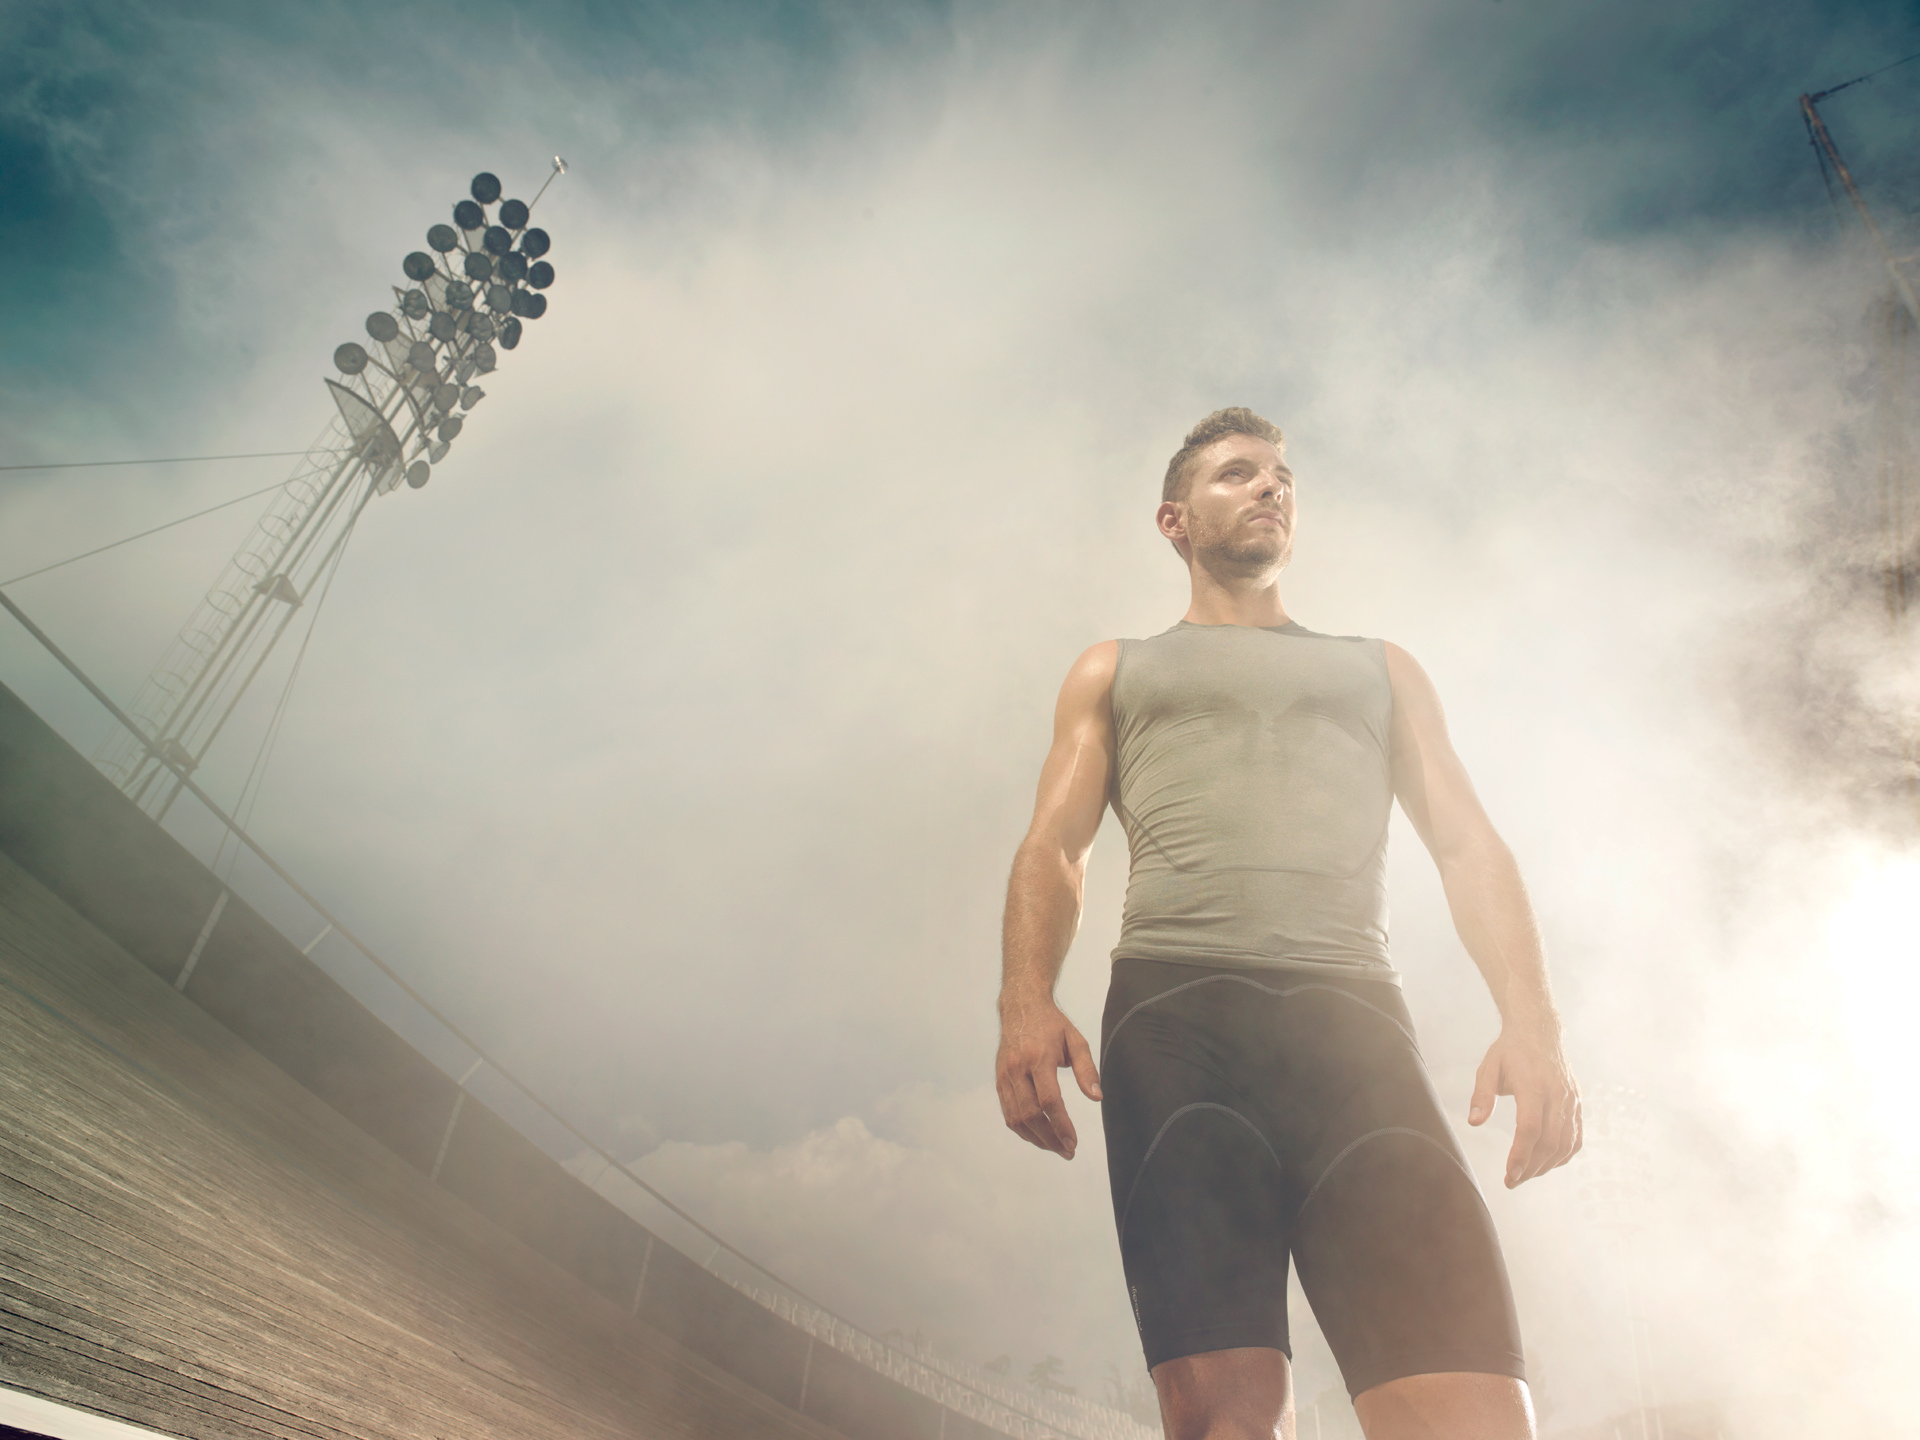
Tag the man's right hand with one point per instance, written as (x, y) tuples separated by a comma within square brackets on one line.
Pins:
[(1036, 1042)]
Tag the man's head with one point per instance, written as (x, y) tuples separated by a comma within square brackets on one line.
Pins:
[(1234, 420), (1228, 494)]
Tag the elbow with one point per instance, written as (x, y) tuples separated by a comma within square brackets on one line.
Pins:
[(1045, 859), (1472, 851)]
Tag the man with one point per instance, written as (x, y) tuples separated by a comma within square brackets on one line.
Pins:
[(1263, 1094)]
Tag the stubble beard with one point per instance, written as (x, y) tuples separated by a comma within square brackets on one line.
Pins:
[(1246, 554)]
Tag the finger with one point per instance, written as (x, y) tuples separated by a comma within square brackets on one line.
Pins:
[(1557, 1138), (1554, 1147), (1063, 1127), (1044, 1113), (1021, 1108), (1060, 1124), (1549, 1149), (1035, 1129), (1526, 1140), (1569, 1133), (1084, 1070), (1486, 1082), (1027, 1133), (1536, 1120)]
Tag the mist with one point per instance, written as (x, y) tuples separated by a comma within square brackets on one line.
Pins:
[(677, 736)]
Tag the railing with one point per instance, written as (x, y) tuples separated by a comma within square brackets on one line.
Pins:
[(965, 1389), (970, 1390)]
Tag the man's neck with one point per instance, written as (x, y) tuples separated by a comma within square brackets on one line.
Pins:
[(1234, 600)]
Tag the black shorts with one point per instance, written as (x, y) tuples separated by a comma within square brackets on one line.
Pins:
[(1253, 1114)]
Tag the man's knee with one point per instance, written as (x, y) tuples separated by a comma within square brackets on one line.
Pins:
[(1226, 1395), (1457, 1406)]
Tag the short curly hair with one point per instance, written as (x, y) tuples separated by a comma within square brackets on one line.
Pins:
[(1234, 420)]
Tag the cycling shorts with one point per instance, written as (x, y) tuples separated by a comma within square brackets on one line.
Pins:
[(1253, 1116)]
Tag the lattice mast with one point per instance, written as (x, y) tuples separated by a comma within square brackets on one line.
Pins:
[(1898, 322), (400, 403)]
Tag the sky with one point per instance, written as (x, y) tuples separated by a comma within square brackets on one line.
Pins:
[(677, 736)]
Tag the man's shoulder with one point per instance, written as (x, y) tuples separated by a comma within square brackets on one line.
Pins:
[(1091, 676)]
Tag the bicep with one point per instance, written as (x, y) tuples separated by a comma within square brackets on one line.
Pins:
[(1079, 766), (1429, 780)]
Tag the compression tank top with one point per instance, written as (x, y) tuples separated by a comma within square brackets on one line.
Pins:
[(1254, 781)]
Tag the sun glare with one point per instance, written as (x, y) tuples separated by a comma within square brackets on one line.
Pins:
[(1873, 942)]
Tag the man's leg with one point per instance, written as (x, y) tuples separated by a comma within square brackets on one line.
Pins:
[(1445, 1407), (1228, 1395)]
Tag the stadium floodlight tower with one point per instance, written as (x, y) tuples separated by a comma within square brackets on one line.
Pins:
[(401, 402)]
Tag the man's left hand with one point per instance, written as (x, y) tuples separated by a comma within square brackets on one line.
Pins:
[(1532, 1068)]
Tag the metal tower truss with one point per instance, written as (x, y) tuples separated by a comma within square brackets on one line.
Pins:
[(401, 402)]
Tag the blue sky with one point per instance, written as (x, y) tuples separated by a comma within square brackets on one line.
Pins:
[(123, 119), (679, 733)]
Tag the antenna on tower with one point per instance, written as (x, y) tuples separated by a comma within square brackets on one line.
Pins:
[(559, 169), (1829, 154), (400, 404)]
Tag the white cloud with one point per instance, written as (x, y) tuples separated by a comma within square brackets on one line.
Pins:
[(940, 1223)]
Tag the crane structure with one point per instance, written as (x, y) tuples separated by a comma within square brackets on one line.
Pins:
[(399, 404), (1896, 323)]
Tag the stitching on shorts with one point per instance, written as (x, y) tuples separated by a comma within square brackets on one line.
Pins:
[(1160, 1135), (1114, 1033), (1376, 1134)]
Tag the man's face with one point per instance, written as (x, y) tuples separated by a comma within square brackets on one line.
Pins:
[(1239, 512)]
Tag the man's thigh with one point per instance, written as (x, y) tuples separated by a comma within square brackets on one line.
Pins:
[(1396, 1250), (1198, 1192)]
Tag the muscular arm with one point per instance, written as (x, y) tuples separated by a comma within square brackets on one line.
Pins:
[(1496, 924), (1043, 911)]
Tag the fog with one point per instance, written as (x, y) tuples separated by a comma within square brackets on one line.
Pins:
[(677, 736)]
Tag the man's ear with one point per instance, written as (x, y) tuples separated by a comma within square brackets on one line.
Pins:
[(1171, 517), (1171, 520)]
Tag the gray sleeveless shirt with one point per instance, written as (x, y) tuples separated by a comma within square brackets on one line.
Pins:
[(1254, 781)]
